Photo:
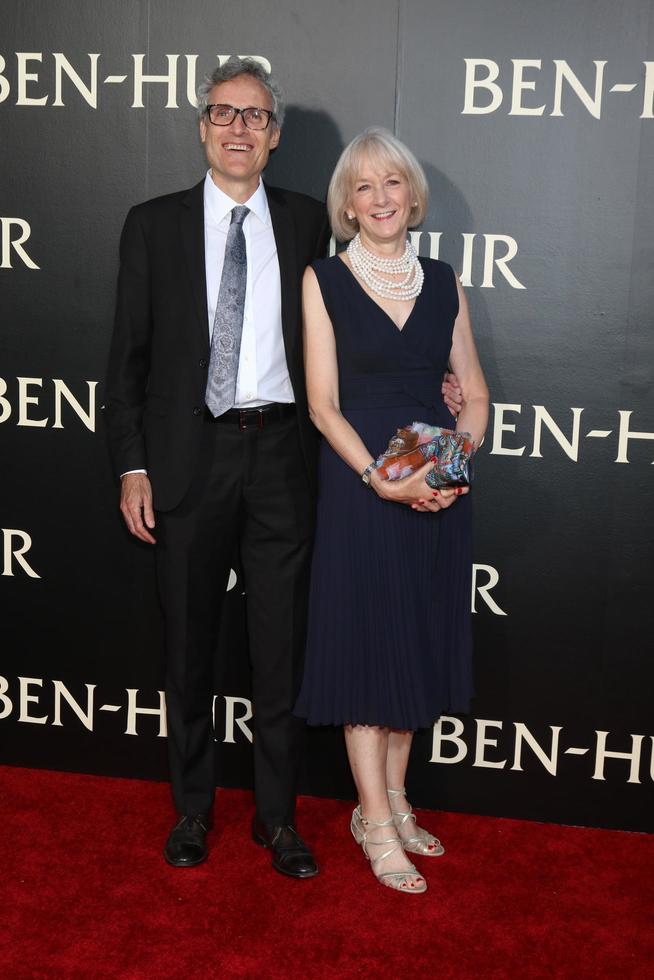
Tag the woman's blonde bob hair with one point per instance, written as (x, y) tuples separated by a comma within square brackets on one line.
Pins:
[(381, 149)]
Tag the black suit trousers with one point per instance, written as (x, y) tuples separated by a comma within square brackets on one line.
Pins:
[(250, 490)]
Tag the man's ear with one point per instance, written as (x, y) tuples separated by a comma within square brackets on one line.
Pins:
[(203, 129), (274, 139)]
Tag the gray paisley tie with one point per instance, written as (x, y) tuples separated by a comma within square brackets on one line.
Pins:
[(228, 322)]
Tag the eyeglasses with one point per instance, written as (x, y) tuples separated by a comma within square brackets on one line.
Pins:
[(253, 118)]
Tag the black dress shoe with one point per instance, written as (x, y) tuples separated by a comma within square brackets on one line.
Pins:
[(290, 855), (187, 844)]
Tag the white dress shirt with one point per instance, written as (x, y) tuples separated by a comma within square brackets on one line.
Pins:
[(262, 371)]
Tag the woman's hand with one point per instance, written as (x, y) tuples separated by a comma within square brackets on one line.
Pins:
[(413, 491)]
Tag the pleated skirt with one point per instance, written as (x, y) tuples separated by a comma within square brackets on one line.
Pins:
[(389, 633)]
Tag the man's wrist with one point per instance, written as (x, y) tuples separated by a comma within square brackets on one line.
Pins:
[(127, 472)]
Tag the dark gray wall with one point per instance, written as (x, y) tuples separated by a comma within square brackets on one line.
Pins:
[(563, 515)]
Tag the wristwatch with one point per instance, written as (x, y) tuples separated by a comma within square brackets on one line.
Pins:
[(365, 476)]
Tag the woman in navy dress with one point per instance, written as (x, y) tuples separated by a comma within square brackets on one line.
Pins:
[(389, 644)]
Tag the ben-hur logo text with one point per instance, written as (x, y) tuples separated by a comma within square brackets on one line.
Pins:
[(531, 87), (534, 432), (17, 542), (490, 252), (479, 742), (525, 88), (38, 78)]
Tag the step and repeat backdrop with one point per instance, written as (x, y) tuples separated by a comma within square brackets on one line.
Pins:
[(535, 125)]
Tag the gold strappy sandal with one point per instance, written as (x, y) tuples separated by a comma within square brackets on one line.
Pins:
[(422, 842), (409, 881)]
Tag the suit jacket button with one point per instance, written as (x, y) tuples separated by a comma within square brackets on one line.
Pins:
[(197, 411), (203, 363)]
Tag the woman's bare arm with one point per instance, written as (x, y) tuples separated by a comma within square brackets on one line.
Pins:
[(473, 417)]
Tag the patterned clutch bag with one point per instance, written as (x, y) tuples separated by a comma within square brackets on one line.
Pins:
[(415, 444)]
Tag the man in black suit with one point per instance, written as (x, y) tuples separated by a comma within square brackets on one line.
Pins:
[(242, 478)]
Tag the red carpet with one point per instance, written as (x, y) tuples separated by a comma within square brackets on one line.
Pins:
[(86, 893)]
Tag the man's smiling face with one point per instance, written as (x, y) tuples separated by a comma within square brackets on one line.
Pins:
[(238, 155)]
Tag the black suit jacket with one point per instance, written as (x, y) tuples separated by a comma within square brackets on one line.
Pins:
[(157, 375)]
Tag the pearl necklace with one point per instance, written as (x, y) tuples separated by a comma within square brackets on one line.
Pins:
[(374, 271)]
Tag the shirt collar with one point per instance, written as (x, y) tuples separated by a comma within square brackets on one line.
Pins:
[(220, 204)]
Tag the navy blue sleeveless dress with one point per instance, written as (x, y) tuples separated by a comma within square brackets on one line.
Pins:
[(389, 637)]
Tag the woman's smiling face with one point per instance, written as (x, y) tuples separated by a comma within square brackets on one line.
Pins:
[(381, 203)]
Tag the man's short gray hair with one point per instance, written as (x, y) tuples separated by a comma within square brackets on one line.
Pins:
[(234, 67)]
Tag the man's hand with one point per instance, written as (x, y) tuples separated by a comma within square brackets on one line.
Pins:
[(136, 505), (452, 394)]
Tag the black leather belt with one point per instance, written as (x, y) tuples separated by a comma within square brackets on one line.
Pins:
[(254, 418)]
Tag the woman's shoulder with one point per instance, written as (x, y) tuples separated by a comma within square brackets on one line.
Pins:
[(325, 273), (437, 268), (440, 273), (441, 280), (327, 263), (327, 269)]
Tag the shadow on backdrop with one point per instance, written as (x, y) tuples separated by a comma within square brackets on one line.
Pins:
[(308, 150)]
